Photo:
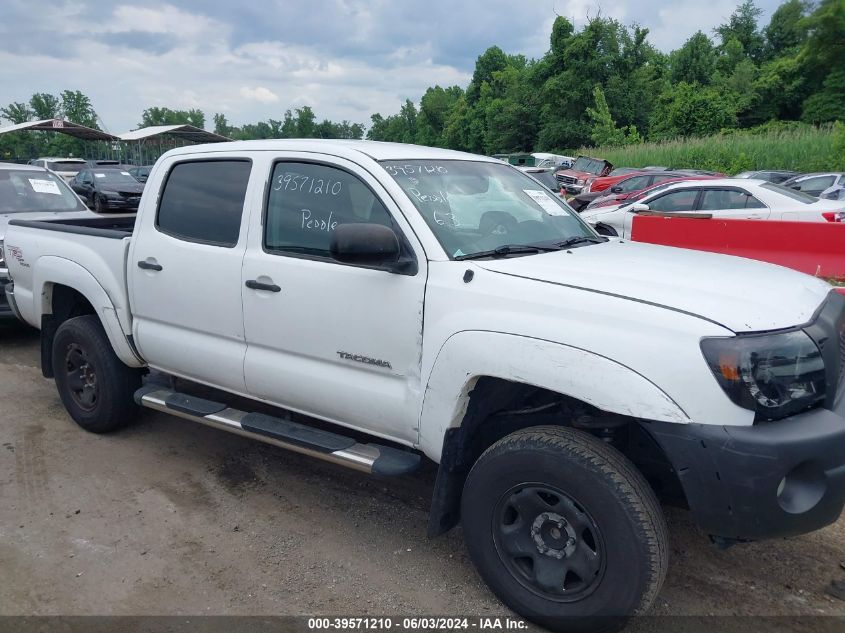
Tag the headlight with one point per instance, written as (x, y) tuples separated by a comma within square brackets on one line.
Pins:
[(774, 375), (112, 194)]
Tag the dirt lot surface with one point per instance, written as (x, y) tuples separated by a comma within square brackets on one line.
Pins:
[(169, 517)]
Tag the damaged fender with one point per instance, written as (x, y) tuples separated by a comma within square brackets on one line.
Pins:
[(575, 372)]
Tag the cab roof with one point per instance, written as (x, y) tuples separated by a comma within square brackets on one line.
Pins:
[(376, 150)]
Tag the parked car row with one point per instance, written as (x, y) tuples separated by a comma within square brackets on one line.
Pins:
[(717, 197)]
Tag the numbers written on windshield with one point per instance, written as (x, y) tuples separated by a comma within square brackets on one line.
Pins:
[(416, 170)]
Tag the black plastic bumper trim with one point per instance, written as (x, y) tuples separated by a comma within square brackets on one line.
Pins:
[(731, 474)]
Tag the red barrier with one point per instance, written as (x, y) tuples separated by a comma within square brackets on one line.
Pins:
[(816, 248)]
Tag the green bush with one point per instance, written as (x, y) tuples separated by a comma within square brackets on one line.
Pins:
[(779, 145)]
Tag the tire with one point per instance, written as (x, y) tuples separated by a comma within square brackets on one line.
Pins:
[(96, 388), (99, 207), (564, 530)]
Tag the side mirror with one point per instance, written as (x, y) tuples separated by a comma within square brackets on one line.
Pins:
[(365, 244), (616, 189), (638, 208)]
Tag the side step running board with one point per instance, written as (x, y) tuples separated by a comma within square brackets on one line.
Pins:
[(325, 445)]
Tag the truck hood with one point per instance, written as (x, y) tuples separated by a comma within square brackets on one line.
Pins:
[(5, 218), (740, 294)]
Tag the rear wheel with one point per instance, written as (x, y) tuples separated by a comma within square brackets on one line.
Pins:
[(564, 530), (95, 386)]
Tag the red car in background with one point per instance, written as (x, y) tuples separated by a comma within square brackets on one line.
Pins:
[(604, 182), (631, 188)]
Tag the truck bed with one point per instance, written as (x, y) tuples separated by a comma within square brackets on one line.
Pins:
[(86, 254), (113, 227)]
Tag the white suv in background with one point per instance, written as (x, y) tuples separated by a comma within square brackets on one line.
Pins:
[(67, 168)]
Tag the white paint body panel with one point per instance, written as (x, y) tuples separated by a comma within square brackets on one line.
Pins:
[(617, 325)]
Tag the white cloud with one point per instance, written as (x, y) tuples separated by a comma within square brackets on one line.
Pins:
[(260, 94)]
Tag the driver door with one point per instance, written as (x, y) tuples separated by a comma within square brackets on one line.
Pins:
[(337, 341), (677, 201)]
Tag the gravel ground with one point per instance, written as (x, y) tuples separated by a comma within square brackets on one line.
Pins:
[(173, 518)]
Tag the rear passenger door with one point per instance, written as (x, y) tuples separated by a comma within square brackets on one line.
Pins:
[(337, 341), (184, 269), (730, 202)]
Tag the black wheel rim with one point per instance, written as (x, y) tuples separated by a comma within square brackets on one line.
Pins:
[(81, 377), (548, 542)]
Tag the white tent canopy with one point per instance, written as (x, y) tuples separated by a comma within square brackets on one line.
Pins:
[(60, 125), (188, 133)]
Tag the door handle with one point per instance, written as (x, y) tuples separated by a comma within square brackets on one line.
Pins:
[(254, 284), (149, 265)]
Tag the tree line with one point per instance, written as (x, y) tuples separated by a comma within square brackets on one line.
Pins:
[(607, 85)]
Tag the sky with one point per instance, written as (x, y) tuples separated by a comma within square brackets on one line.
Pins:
[(252, 60)]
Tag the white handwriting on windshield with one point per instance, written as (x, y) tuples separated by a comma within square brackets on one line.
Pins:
[(415, 170), (436, 197)]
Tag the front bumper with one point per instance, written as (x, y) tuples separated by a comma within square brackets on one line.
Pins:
[(8, 307), (122, 203), (769, 480), (5, 304)]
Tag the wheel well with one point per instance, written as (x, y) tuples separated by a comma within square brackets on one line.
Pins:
[(498, 407), (65, 303)]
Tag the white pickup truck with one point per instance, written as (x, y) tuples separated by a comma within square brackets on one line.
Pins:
[(447, 306)]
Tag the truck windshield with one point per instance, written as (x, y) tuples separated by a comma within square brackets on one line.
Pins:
[(31, 190), (588, 165), (474, 207)]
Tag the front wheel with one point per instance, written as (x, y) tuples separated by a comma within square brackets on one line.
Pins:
[(99, 205), (564, 530), (95, 386)]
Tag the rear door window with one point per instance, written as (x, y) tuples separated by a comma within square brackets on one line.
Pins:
[(203, 201), (726, 199)]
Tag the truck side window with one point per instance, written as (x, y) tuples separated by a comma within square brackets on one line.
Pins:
[(203, 201), (308, 201)]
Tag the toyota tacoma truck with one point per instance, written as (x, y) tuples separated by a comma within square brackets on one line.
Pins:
[(380, 304)]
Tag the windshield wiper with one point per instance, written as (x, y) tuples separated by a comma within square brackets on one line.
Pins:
[(580, 240), (507, 249)]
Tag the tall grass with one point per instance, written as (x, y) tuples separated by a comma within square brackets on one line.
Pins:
[(796, 147)]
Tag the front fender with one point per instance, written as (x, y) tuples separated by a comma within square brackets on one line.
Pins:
[(575, 372), (50, 271)]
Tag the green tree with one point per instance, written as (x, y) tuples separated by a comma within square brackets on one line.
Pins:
[(77, 107), (787, 30), (433, 114), (16, 112), (742, 27), (45, 106), (305, 122), (822, 60), (166, 116), (221, 125), (688, 110), (604, 130), (695, 61)]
